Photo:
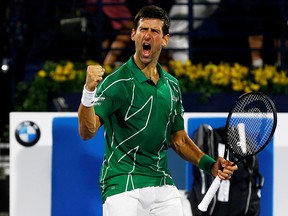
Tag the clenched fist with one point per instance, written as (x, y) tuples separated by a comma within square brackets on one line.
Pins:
[(93, 76)]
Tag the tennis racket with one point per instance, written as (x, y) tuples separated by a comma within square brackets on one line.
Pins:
[(250, 125)]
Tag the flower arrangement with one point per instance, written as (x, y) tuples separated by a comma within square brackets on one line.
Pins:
[(53, 78), (67, 76), (224, 77)]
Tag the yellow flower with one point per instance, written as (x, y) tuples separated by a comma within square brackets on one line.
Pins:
[(254, 86), (237, 85), (69, 66), (41, 73), (58, 69), (280, 79)]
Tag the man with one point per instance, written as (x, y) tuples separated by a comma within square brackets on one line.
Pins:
[(140, 106)]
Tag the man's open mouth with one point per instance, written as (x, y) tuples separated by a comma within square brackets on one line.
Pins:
[(146, 49)]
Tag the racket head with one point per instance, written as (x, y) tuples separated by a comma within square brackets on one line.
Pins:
[(250, 124)]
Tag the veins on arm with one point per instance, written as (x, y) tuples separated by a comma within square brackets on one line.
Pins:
[(88, 122), (183, 145)]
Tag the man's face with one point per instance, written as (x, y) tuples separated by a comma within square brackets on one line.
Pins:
[(149, 39)]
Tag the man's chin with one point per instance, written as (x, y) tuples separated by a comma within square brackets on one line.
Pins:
[(146, 59)]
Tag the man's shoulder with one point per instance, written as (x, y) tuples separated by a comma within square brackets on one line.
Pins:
[(170, 77), (117, 78), (122, 71)]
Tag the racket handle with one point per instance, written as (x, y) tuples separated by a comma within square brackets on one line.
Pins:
[(203, 205)]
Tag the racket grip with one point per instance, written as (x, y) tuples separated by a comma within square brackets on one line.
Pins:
[(203, 205)]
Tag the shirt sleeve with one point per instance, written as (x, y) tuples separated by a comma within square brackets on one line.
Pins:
[(108, 100), (178, 123)]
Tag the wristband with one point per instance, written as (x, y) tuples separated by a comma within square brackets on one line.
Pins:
[(88, 97), (206, 163)]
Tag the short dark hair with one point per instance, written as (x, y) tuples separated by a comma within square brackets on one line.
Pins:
[(152, 11)]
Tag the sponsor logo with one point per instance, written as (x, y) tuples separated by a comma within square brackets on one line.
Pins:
[(27, 133), (98, 100)]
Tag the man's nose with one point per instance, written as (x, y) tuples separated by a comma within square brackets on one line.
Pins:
[(148, 34)]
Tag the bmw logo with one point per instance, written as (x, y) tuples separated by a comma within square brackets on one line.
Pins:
[(27, 133)]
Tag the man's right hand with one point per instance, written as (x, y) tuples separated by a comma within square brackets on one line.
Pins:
[(94, 75)]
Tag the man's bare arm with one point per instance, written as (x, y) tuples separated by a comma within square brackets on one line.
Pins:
[(185, 147), (188, 150), (88, 121)]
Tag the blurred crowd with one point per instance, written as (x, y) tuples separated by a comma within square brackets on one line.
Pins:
[(100, 29)]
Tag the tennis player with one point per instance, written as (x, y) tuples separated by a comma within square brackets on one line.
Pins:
[(141, 109)]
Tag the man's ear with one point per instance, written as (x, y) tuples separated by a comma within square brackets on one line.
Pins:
[(165, 40), (133, 32)]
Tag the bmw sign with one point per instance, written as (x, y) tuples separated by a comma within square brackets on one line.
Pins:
[(27, 133)]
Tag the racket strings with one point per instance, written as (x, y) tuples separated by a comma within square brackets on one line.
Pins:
[(250, 126)]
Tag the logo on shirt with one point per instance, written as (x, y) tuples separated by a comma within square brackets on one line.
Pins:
[(98, 101)]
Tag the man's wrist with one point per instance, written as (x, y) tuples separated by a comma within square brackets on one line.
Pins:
[(88, 97), (206, 163)]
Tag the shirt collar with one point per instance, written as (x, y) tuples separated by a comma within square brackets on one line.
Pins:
[(139, 75)]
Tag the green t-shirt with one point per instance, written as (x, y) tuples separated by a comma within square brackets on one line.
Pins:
[(138, 117)]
